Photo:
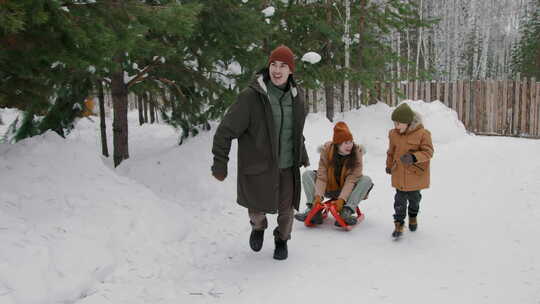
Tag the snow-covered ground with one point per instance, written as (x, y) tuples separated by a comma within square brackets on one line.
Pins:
[(160, 229)]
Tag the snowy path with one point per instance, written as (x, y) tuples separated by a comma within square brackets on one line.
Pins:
[(475, 244), (73, 230)]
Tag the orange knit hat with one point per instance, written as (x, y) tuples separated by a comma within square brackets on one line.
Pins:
[(341, 133), (284, 54)]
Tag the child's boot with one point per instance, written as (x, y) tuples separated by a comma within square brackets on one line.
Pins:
[(398, 230), (317, 219), (413, 223), (348, 216)]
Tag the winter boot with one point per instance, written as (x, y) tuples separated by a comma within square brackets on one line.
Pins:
[(348, 215), (398, 231), (280, 252), (301, 216), (317, 219), (413, 223), (256, 239)]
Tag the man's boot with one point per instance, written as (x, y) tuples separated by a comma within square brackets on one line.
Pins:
[(280, 252), (256, 239)]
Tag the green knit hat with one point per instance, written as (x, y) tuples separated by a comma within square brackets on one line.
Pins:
[(403, 113)]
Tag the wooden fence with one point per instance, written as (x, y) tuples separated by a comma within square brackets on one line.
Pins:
[(486, 107)]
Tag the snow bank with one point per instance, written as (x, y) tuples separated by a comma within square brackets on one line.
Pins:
[(370, 126), (72, 229), (67, 222)]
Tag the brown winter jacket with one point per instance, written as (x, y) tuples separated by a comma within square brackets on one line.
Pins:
[(250, 120), (326, 181), (417, 141)]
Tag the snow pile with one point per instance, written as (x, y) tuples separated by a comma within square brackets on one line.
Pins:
[(67, 223), (370, 126), (442, 121)]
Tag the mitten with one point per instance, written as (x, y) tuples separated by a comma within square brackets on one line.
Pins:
[(408, 159), (339, 204)]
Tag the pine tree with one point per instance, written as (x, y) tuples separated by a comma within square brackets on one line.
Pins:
[(220, 58), (526, 54), (45, 54)]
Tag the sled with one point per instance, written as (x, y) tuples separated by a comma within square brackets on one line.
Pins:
[(330, 207)]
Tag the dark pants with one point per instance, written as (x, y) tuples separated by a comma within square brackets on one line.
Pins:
[(285, 208), (400, 204)]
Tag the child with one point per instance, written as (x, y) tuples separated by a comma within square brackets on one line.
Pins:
[(408, 156), (339, 176)]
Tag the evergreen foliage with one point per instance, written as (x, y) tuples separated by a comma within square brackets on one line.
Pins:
[(526, 54)]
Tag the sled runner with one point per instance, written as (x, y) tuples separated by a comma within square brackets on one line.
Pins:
[(329, 206)]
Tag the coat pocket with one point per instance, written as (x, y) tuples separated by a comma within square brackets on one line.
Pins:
[(417, 169), (254, 169)]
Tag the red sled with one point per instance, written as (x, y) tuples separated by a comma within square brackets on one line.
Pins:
[(330, 206)]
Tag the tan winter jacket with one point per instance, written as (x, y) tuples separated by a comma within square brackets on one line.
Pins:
[(326, 181), (415, 140)]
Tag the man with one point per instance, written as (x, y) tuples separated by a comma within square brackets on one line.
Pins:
[(267, 119)]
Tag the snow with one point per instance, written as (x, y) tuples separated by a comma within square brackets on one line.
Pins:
[(7, 116), (128, 78), (57, 63), (269, 11), (160, 229), (311, 57)]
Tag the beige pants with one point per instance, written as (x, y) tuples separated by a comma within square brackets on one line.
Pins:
[(285, 208)]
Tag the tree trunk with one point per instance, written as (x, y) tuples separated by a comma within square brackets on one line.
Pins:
[(120, 123), (419, 42), (145, 107), (342, 98), (346, 84), (398, 62), (103, 125), (329, 91), (315, 101), (140, 106), (361, 27), (329, 87), (152, 108)]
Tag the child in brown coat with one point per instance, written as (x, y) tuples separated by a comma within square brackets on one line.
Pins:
[(339, 176), (408, 156)]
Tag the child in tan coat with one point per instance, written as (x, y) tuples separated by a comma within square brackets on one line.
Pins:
[(339, 177), (408, 157)]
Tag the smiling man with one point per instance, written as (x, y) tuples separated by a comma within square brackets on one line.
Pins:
[(267, 119)]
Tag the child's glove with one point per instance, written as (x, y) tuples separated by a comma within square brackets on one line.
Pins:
[(388, 171), (339, 204), (408, 159)]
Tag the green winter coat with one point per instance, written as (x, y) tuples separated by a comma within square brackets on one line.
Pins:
[(250, 120)]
